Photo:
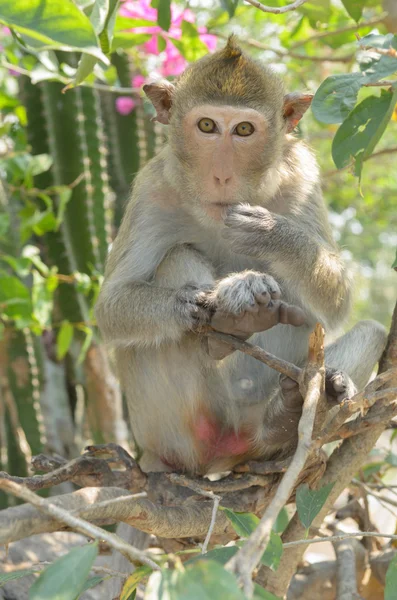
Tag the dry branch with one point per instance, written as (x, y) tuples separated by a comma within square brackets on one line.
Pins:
[(76, 523), (247, 558), (278, 364)]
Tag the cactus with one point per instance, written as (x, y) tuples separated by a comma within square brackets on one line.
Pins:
[(22, 429)]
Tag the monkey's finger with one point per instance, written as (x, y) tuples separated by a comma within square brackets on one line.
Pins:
[(263, 298), (291, 315)]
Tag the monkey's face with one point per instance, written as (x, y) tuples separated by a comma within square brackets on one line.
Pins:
[(226, 150)]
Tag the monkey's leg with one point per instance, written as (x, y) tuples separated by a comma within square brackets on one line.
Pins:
[(357, 352), (349, 360)]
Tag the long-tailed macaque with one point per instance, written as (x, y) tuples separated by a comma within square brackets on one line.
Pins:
[(226, 226)]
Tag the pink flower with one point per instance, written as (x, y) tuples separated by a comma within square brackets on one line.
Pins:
[(138, 81), (125, 105), (173, 63)]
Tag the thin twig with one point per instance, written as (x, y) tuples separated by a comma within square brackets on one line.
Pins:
[(289, 53), (276, 11), (383, 83), (246, 559), (76, 523), (183, 480), (324, 34), (337, 538), (374, 155)]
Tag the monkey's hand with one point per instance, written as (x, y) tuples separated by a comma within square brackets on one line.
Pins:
[(246, 226), (246, 303), (192, 306)]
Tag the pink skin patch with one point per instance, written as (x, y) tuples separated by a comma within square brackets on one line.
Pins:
[(219, 444)]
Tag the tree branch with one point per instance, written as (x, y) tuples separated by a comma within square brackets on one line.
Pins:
[(76, 523)]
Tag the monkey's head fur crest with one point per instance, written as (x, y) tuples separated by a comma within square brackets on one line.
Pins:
[(226, 77)]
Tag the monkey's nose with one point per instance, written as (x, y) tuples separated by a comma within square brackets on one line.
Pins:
[(222, 179)]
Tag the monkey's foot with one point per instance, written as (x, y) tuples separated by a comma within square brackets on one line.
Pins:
[(338, 386)]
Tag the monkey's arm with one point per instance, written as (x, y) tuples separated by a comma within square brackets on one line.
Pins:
[(300, 255), (131, 311)]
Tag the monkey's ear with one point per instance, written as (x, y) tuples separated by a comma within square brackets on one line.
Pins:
[(295, 106), (160, 95)]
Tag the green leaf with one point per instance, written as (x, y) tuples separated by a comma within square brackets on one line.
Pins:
[(310, 502), (66, 577), (261, 594), (391, 458), (64, 339), (99, 15), (203, 580), (85, 68), (15, 299), (358, 135), (230, 6), (190, 45), (42, 300), (274, 550), (336, 97), (281, 521), (354, 8), (133, 580), (87, 342), (4, 224), (220, 555), (91, 582), (127, 40), (6, 577), (391, 580), (164, 14), (394, 265), (54, 23), (129, 23), (40, 163), (243, 523)]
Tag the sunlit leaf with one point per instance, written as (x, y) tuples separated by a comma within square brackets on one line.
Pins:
[(358, 135), (230, 6), (128, 40), (243, 523), (336, 97), (133, 581), (164, 14), (56, 23), (64, 339), (190, 45), (354, 8), (310, 502)]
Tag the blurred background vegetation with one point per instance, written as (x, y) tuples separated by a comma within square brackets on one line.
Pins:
[(68, 156)]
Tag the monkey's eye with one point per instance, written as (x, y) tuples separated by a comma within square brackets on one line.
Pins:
[(244, 128), (206, 125)]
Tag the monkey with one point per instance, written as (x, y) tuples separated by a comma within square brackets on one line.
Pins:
[(226, 226)]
